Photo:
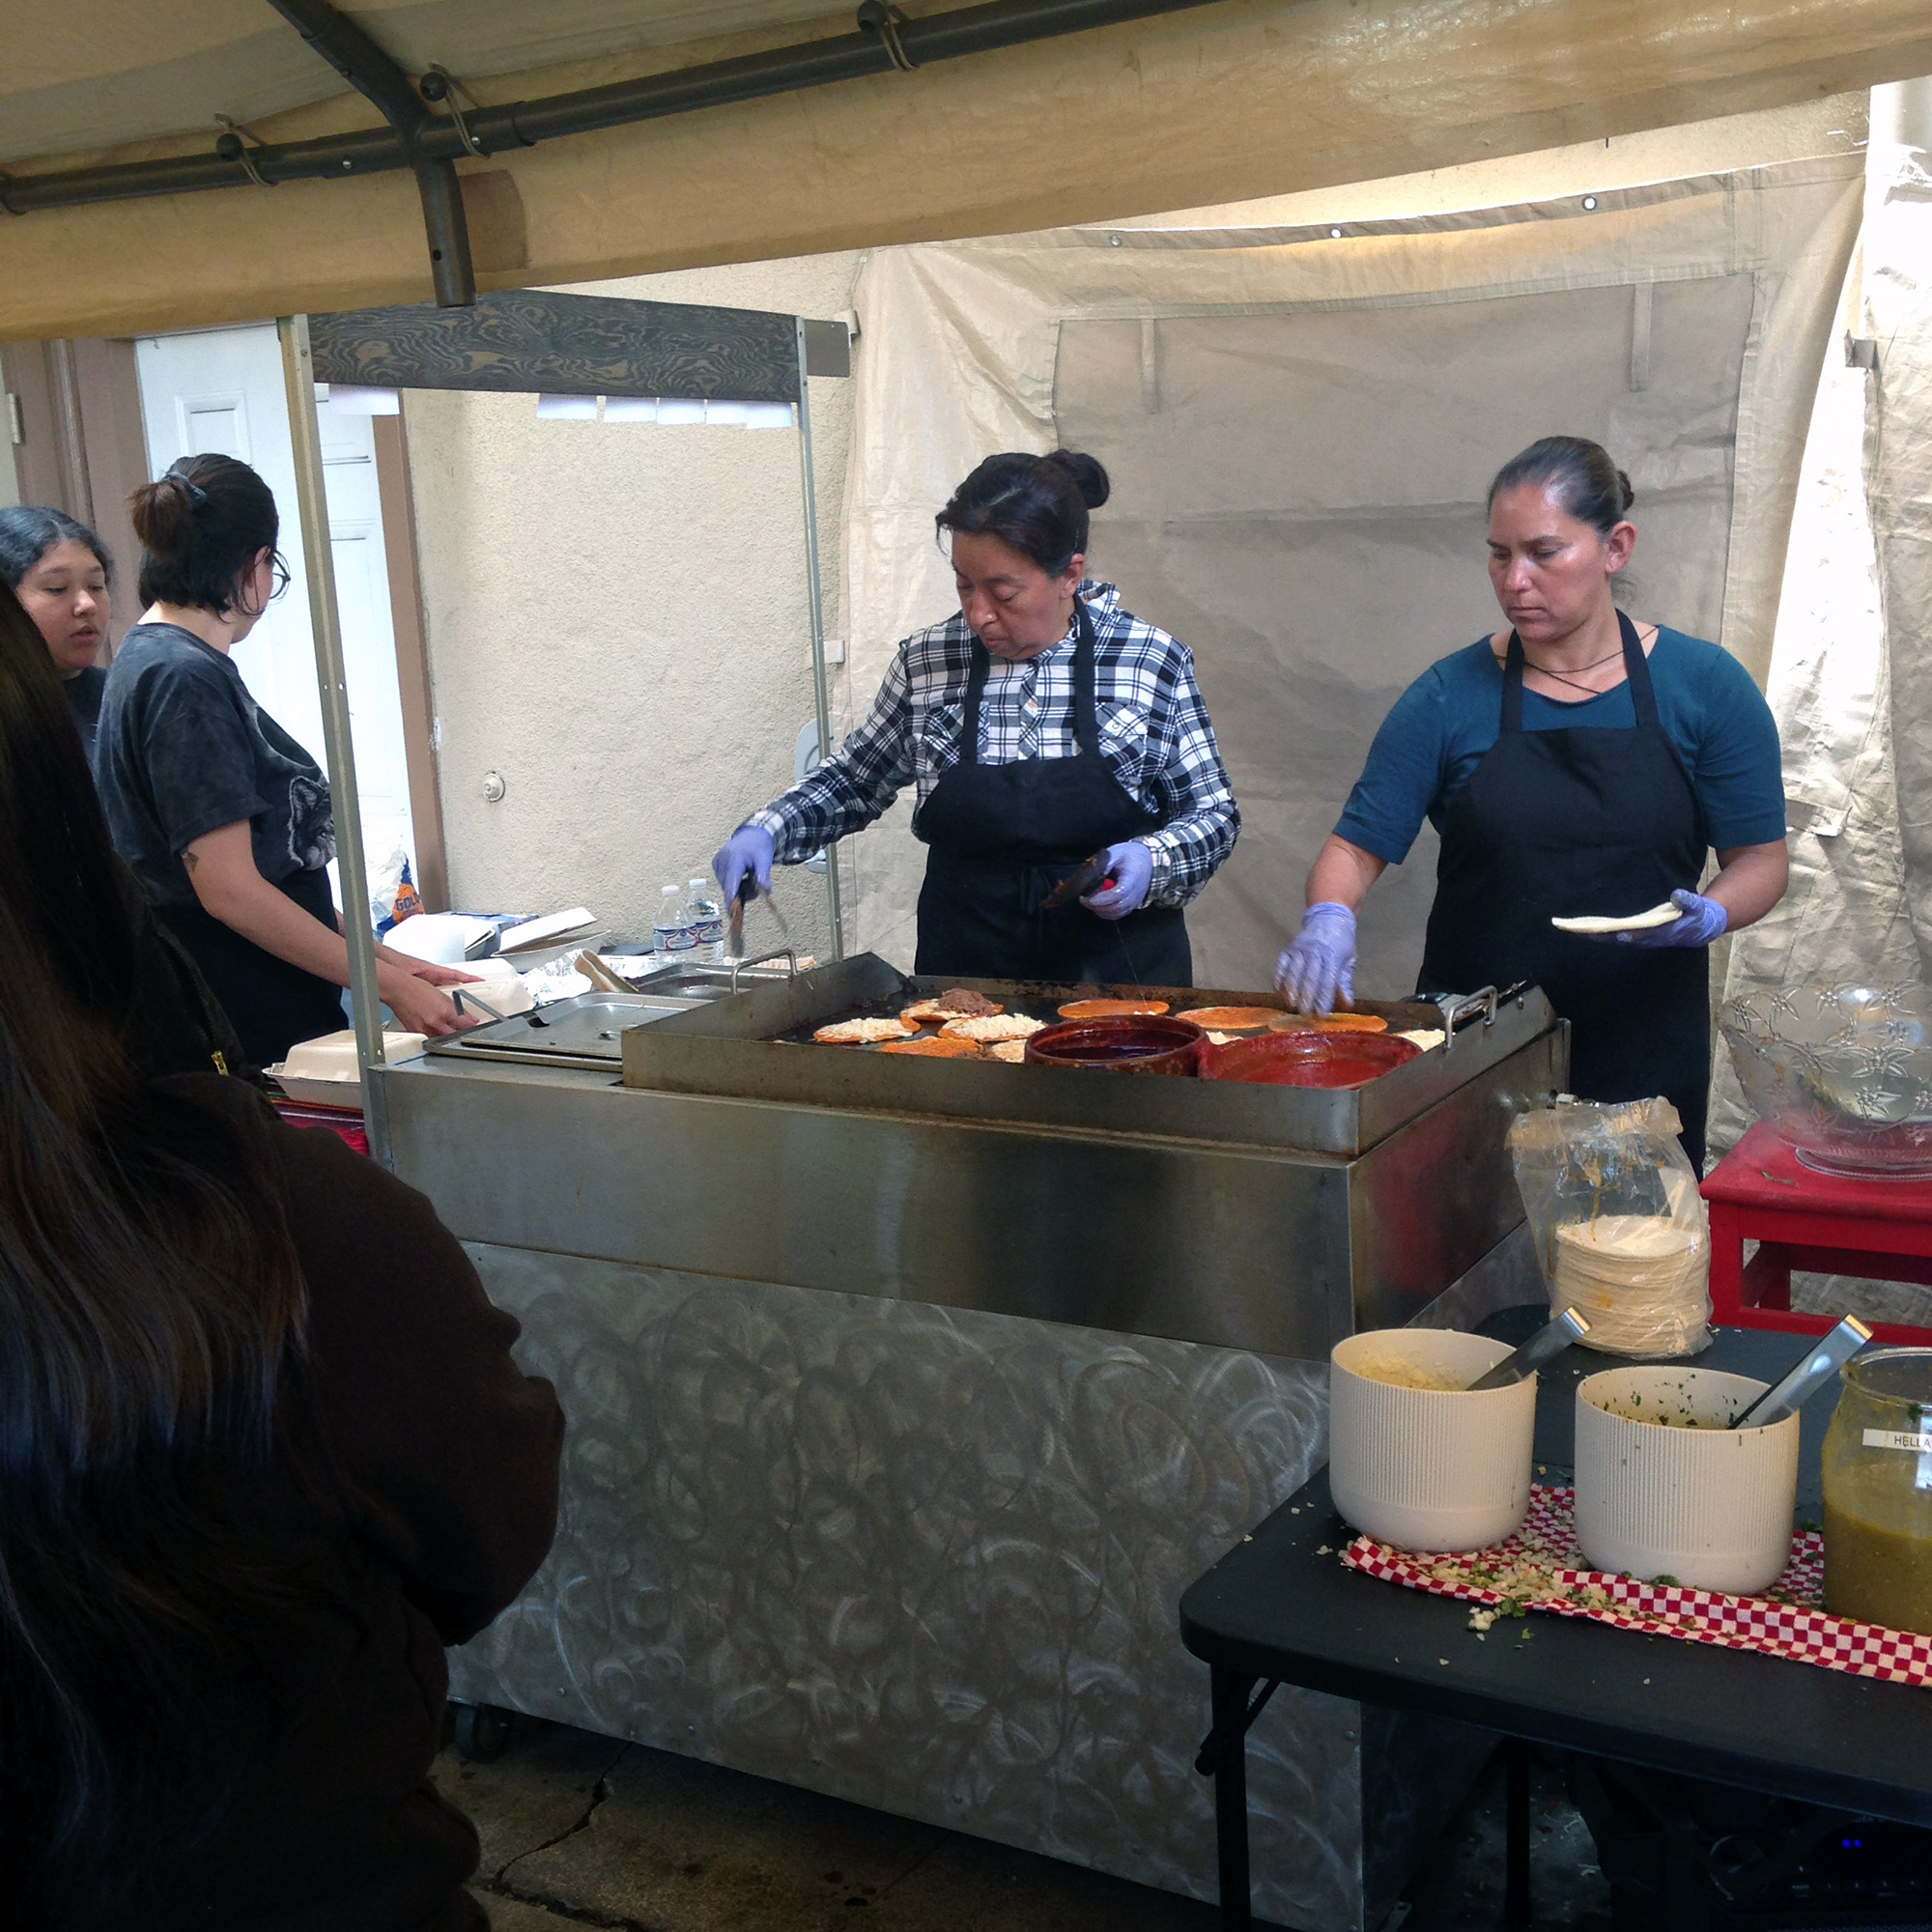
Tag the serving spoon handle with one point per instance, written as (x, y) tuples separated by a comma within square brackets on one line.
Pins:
[(1547, 1342)]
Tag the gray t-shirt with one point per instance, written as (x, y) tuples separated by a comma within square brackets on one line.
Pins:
[(83, 696), (183, 748)]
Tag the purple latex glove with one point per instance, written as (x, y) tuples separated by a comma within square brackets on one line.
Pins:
[(748, 850), (1318, 963), (1704, 920), (1129, 874)]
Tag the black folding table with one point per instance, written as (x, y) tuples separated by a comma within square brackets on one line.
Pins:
[(1276, 1611)]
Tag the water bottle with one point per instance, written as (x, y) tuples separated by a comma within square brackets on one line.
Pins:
[(673, 933), (707, 921)]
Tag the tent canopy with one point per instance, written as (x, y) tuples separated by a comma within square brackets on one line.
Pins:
[(1216, 102)]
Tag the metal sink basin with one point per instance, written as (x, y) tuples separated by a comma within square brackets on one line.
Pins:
[(587, 1029), (694, 982)]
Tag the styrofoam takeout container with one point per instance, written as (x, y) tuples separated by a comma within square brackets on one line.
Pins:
[(439, 937), (324, 1072), (498, 983), (1706, 1507), (1430, 1468)]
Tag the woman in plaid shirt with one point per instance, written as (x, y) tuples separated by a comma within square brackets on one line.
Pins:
[(1041, 724)]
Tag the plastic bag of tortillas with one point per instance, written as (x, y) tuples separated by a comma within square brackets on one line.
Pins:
[(1620, 1229)]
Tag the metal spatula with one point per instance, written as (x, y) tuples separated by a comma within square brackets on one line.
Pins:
[(1077, 885)]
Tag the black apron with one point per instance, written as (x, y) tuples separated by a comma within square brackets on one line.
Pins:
[(1584, 819), (270, 1003), (1000, 838)]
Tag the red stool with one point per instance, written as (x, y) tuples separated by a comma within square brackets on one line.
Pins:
[(1877, 1229)]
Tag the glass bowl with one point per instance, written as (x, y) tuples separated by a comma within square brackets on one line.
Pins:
[(1842, 1074)]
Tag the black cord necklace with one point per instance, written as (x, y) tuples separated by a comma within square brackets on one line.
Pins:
[(1589, 689)]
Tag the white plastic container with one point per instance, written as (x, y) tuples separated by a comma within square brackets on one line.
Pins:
[(1433, 1469), (1710, 1506)]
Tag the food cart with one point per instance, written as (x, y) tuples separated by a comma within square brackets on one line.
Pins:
[(906, 1395)]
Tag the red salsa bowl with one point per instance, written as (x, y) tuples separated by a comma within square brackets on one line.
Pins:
[(1137, 1044), (1331, 1059)]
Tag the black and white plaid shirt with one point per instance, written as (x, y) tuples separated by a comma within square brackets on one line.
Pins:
[(1154, 735)]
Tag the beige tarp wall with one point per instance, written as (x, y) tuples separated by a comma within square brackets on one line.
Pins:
[(1304, 427), (1241, 98)]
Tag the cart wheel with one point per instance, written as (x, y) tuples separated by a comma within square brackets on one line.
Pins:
[(481, 1731)]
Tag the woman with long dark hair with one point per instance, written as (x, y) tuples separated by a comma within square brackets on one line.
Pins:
[(1576, 762), (62, 573), (263, 1450), (225, 818), (1040, 725)]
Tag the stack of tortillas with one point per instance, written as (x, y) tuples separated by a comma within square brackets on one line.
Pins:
[(1639, 1278)]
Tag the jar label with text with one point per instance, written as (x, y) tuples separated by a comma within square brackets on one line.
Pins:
[(1917, 1441)]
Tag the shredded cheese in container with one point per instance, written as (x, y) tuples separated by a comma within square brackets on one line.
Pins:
[(1401, 1373)]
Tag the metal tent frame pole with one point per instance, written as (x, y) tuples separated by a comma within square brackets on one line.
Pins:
[(815, 613), (326, 619)]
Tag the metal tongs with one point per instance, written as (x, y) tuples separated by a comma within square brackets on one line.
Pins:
[(1815, 1368), (1547, 1342), (734, 924)]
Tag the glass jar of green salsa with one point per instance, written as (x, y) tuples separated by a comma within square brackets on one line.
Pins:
[(1878, 1492)]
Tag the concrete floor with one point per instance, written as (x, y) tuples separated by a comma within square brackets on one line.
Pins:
[(580, 1830)]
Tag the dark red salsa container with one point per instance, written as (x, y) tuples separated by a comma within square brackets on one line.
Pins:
[(1134, 1043), (1331, 1059)]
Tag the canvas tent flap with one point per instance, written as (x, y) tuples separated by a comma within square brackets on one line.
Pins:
[(1849, 683), (1898, 476), (1301, 431), (1221, 101)]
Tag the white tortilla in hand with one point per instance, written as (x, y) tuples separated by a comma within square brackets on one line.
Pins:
[(1637, 921)]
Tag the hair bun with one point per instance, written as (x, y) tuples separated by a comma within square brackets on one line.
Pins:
[(1624, 484), (1089, 478), (162, 513)]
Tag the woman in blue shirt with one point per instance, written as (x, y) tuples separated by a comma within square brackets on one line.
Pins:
[(1577, 762)]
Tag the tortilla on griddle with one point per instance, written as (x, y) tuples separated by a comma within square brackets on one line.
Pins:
[(990, 1028), (1231, 1020), (956, 1003), (1112, 1009), (938, 1048), (863, 1031), (1333, 1023)]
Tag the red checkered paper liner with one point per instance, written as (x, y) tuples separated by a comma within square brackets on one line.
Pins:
[(1788, 1621)]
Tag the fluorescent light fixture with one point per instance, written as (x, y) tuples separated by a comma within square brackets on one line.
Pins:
[(630, 409), (768, 416), (567, 408), (680, 409), (731, 414), (349, 399)]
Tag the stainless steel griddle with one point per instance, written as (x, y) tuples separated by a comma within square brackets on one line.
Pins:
[(758, 1047)]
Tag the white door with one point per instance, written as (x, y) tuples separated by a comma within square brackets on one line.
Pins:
[(221, 390)]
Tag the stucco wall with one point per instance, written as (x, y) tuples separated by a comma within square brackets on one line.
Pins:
[(616, 623)]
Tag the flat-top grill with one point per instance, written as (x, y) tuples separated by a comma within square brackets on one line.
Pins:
[(758, 1047)]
